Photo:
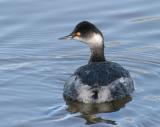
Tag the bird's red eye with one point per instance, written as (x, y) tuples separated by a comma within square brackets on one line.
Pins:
[(78, 34)]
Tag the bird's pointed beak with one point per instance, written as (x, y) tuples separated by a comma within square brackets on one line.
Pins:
[(66, 37)]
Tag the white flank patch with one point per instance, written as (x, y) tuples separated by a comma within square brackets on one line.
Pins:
[(104, 94), (85, 92)]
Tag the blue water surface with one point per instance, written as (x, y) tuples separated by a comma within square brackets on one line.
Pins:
[(34, 64)]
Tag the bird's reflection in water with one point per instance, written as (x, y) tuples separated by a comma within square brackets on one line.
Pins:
[(89, 111)]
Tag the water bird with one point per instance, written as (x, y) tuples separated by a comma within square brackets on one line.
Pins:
[(100, 80)]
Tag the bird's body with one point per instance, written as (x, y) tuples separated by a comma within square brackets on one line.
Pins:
[(100, 80)]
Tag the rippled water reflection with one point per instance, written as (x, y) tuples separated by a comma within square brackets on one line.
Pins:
[(34, 64)]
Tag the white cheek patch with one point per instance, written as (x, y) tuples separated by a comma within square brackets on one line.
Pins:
[(94, 40)]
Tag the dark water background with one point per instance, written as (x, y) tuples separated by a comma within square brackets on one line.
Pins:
[(34, 64)]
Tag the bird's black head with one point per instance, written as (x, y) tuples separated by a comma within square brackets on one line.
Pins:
[(86, 32), (85, 29)]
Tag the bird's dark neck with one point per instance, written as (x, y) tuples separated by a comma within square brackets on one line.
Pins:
[(97, 54)]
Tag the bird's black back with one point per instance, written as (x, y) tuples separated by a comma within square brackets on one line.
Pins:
[(100, 73)]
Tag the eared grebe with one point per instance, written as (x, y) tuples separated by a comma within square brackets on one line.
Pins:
[(100, 80)]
